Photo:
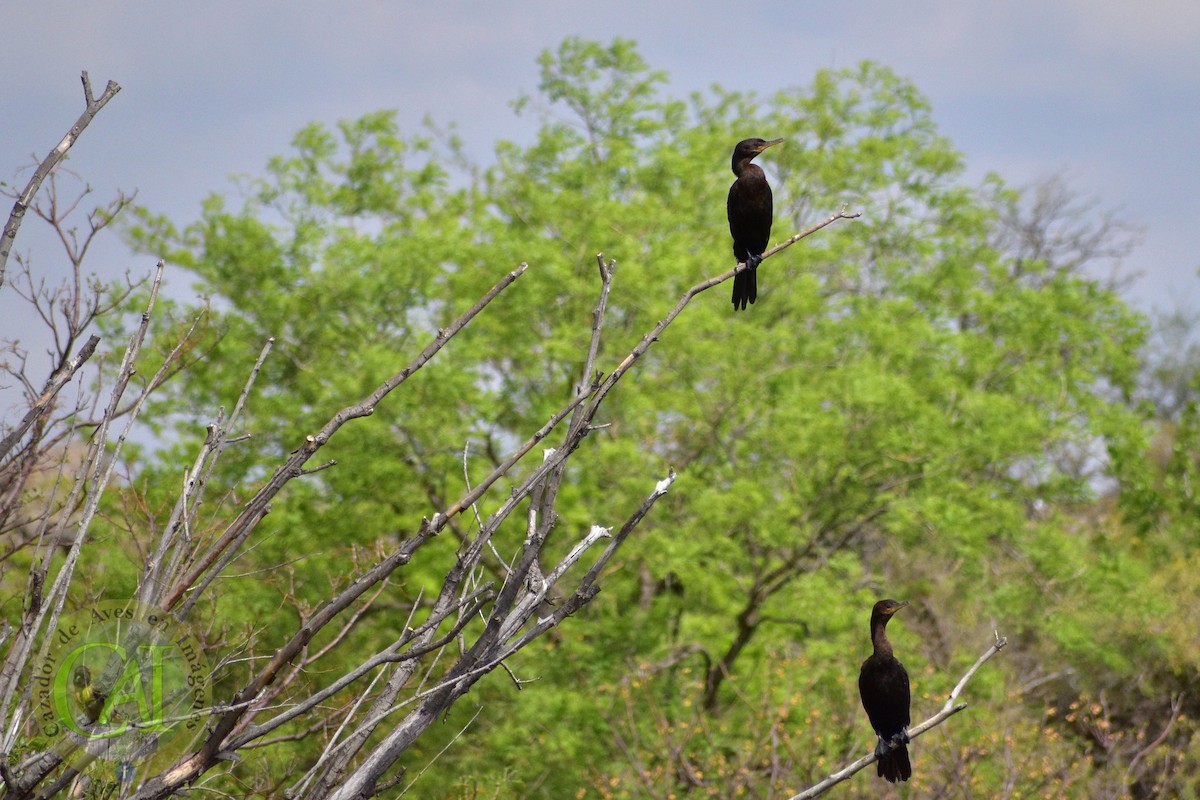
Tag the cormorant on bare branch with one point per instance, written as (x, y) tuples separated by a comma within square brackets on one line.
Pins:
[(883, 686), (749, 207)]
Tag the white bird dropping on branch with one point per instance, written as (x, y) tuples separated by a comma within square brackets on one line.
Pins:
[(548, 453), (661, 487), (599, 532)]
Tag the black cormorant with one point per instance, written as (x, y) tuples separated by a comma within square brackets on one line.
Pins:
[(749, 208), (883, 686)]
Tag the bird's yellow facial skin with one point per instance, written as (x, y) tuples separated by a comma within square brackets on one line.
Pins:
[(771, 143)]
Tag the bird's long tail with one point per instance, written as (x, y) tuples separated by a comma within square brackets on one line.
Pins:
[(895, 766), (745, 288)]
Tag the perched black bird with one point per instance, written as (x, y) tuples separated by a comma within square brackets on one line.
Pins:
[(749, 208), (883, 686)]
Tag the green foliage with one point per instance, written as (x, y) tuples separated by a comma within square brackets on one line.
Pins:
[(907, 411)]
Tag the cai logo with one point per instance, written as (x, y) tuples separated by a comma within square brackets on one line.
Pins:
[(122, 683)]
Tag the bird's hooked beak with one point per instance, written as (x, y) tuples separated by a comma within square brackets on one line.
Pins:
[(901, 604), (765, 145)]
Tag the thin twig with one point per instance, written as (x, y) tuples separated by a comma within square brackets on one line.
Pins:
[(391, 655), (159, 571), (54, 384), (441, 752), (94, 104), (991, 651), (1176, 705)]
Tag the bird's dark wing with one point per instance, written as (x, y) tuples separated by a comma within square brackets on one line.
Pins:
[(883, 686), (750, 206)]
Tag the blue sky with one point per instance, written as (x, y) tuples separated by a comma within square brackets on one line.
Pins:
[(1106, 92)]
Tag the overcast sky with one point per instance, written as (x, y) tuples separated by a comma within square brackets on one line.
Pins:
[(1107, 92)]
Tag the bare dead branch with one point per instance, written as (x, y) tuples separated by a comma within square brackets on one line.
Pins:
[(93, 106), (161, 571), (1176, 706), (95, 474), (991, 651), (393, 654), (258, 506), (464, 566), (439, 753), (54, 385), (203, 759), (607, 269)]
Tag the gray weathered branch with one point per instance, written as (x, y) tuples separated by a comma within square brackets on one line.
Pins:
[(54, 385), (25, 198)]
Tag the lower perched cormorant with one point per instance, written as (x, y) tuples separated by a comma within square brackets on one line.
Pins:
[(749, 208), (883, 686)]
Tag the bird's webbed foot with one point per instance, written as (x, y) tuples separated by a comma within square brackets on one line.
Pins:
[(882, 748), (886, 745), (752, 262)]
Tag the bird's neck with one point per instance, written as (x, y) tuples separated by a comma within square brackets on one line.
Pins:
[(879, 638), (744, 167)]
